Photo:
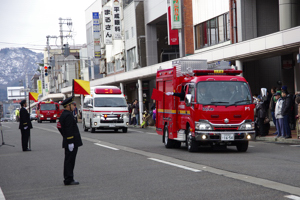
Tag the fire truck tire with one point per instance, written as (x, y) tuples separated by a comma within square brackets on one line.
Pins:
[(84, 127), (169, 143), (191, 144), (124, 130), (115, 130), (242, 146)]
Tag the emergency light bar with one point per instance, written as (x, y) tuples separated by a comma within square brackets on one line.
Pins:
[(217, 72), (107, 91)]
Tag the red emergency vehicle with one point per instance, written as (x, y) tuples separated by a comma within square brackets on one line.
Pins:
[(215, 107), (47, 111)]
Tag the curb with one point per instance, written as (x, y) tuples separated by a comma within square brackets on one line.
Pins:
[(278, 140)]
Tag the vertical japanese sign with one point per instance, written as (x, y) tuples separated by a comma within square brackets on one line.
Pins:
[(107, 25), (176, 14), (39, 86), (172, 34), (117, 20), (96, 33)]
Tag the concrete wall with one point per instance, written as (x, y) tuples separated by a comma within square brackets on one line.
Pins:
[(204, 10)]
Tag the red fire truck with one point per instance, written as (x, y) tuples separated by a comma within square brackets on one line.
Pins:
[(47, 111), (204, 105)]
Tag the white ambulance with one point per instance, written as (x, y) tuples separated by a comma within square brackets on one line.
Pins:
[(105, 108)]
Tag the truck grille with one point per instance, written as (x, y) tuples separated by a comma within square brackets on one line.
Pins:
[(226, 128), (111, 121)]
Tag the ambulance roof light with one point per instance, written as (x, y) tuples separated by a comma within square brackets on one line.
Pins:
[(107, 91)]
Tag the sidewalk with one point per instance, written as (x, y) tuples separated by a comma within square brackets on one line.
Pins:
[(271, 137)]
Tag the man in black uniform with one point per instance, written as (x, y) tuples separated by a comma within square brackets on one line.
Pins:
[(71, 140), (25, 126)]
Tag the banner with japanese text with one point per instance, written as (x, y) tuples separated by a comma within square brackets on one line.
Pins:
[(117, 20), (107, 22)]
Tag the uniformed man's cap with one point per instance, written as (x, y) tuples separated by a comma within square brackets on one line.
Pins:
[(67, 101), (23, 102)]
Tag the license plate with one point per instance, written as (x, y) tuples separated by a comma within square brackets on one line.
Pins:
[(112, 125), (48, 118), (227, 137)]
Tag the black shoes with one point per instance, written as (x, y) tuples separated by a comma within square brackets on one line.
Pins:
[(27, 149), (72, 183)]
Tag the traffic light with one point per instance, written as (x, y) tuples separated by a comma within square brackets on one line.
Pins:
[(46, 70)]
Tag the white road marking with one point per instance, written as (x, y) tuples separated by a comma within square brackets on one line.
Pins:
[(175, 165), (292, 197), (296, 145), (5, 126), (101, 145), (1, 195), (251, 146)]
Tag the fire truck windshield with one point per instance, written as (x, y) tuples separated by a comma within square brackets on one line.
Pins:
[(48, 107), (223, 93), (110, 102)]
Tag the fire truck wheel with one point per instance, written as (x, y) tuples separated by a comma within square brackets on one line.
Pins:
[(84, 127), (124, 130), (191, 144), (169, 143), (242, 146), (115, 130)]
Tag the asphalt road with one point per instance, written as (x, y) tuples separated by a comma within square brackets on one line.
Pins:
[(136, 165)]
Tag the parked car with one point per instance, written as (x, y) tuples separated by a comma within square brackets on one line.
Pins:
[(33, 115), (6, 118)]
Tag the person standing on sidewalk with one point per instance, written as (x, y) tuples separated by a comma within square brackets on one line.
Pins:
[(71, 140), (286, 109), (25, 126), (261, 115), (278, 115), (135, 108), (272, 107)]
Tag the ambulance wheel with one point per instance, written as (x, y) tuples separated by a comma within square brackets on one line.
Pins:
[(84, 127), (191, 144), (124, 130), (169, 143), (242, 146)]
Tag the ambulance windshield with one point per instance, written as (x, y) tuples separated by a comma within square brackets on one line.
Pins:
[(223, 93), (109, 102)]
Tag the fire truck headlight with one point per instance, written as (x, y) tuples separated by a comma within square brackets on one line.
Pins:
[(202, 126), (55, 115), (41, 115), (247, 126)]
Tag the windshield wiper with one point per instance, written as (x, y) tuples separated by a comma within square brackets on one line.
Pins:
[(234, 104), (214, 103)]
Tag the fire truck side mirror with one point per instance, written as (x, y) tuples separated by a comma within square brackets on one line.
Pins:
[(188, 100)]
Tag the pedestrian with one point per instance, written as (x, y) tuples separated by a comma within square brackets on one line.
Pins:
[(75, 112), (135, 111), (17, 112), (261, 115), (71, 140), (272, 107), (286, 109), (153, 110), (129, 111), (278, 115), (25, 125)]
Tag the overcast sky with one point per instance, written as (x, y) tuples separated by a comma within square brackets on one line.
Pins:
[(26, 23)]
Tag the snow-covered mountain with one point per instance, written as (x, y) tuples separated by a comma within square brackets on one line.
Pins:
[(14, 64)]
